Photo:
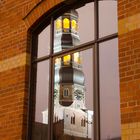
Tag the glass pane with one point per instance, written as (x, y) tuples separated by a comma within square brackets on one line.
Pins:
[(109, 91), (86, 23), (74, 27), (107, 18), (44, 42), (73, 96), (41, 106)]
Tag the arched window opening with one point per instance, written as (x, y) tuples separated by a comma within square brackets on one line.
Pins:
[(58, 24), (69, 57), (66, 59), (66, 23), (66, 92), (72, 120)]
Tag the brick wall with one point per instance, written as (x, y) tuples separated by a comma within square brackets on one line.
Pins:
[(129, 58), (14, 62)]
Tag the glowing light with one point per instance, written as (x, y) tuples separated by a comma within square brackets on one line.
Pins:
[(77, 57), (73, 24), (58, 61), (66, 59), (66, 23), (58, 24)]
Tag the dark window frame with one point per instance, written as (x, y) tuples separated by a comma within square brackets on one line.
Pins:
[(43, 22)]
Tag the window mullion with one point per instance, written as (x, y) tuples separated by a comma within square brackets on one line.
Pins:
[(51, 85), (96, 74)]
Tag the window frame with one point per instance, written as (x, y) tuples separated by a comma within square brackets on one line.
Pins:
[(48, 19)]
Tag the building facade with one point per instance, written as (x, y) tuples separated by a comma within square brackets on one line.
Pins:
[(18, 20)]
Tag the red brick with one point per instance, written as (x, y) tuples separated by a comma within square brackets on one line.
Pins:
[(14, 83)]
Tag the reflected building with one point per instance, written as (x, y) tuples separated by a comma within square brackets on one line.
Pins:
[(69, 83)]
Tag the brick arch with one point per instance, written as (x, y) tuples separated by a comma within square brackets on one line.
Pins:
[(40, 9)]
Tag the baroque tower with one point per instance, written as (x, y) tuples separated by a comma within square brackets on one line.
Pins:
[(69, 78), (69, 81)]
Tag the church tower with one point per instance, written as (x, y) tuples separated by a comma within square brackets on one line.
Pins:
[(69, 78), (69, 81), (66, 31)]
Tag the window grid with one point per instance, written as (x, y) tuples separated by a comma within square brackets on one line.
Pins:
[(51, 57)]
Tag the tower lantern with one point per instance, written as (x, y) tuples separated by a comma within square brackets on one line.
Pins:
[(66, 31)]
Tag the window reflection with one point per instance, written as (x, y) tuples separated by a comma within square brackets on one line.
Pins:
[(74, 27), (73, 97), (73, 93), (67, 37), (58, 61), (77, 58), (73, 81), (73, 24), (66, 59), (66, 92), (66, 23), (58, 24)]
